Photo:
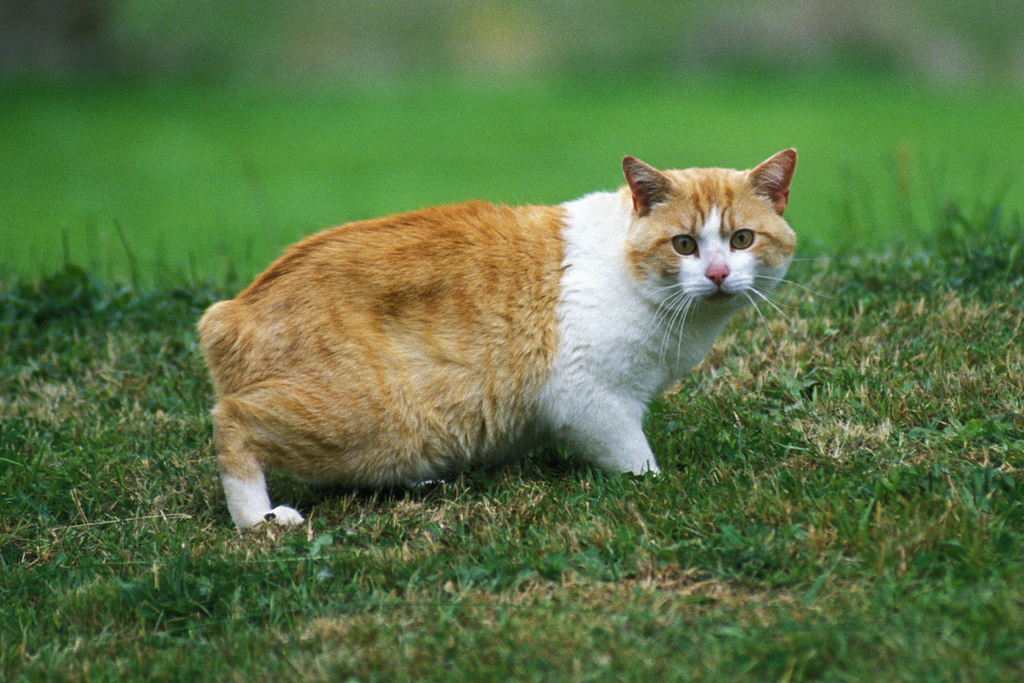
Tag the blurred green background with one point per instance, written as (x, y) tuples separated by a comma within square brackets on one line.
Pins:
[(194, 140)]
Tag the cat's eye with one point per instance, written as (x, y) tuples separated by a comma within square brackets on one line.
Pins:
[(684, 244), (741, 239)]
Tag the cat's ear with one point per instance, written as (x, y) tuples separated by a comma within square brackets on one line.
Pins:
[(648, 185), (772, 177)]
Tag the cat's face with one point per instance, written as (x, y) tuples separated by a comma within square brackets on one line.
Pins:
[(710, 235)]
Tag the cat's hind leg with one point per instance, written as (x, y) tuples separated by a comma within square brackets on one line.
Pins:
[(249, 503), (239, 451)]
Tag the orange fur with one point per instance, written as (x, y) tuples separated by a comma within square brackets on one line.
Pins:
[(387, 351)]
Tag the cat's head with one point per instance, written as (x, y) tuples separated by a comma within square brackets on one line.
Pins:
[(709, 234)]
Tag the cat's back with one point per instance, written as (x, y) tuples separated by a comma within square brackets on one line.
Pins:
[(467, 285), (464, 251)]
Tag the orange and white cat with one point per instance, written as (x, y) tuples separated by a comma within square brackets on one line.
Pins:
[(398, 350)]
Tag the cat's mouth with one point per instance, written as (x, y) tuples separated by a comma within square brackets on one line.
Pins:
[(719, 295)]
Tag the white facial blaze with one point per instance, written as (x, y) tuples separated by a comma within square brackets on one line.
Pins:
[(714, 220), (712, 253)]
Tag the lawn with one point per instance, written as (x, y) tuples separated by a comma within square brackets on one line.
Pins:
[(841, 500), (841, 497), (200, 183)]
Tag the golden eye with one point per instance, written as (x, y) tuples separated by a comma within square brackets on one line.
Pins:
[(684, 244), (741, 239)]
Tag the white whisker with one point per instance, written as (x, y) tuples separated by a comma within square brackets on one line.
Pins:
[(680, 306), (682, 324), (665, 308), (772, 304), (795, 284), (760, 315), (677, 312)]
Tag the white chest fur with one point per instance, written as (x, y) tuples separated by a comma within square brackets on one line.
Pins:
[(617, 348)]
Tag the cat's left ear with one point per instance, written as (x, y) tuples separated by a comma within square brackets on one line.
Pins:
[(648, 185), (772, 177)]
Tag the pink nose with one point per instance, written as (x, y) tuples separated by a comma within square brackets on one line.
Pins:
[(717, 272)]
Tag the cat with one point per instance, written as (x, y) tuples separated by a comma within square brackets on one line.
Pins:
[(395, 351)]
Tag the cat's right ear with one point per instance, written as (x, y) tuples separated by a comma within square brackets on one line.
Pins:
[(648, 185)]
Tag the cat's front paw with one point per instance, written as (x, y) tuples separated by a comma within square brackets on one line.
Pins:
[(284, 515)]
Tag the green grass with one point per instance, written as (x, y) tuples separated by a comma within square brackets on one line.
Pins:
[(841, 501), (212, 183), (841, 497)]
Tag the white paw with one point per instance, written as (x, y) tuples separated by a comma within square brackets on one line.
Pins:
[(283, 515), (427, 482)]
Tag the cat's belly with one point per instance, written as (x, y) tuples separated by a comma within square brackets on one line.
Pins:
[(358, 432)]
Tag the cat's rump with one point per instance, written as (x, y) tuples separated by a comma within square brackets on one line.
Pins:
[(386, 352)]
